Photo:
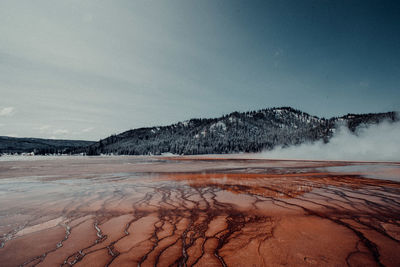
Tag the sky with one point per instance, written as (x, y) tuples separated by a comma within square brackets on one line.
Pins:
[(86, 69)]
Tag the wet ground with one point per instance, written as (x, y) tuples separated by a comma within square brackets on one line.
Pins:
[(185, 211)]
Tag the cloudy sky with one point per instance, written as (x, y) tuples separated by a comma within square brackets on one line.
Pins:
[(86, 69)]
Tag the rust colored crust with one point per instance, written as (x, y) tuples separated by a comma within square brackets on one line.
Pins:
[(128, 211)]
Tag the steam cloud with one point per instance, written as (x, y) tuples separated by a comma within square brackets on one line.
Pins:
[(379, 142)]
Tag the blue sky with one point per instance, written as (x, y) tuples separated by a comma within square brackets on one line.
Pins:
[(87, 69)]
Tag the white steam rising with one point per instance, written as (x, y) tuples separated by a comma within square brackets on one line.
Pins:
[(379, 142)]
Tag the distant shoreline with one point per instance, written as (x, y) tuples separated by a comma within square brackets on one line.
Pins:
[(205, 157)]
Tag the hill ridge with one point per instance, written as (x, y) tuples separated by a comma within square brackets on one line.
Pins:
[(250, 131)]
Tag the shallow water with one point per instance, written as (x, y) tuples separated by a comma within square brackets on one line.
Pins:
[(184, 211)]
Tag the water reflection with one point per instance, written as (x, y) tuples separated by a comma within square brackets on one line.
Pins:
[(257, 184)]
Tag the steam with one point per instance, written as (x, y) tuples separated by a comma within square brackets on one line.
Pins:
[(378, 142)]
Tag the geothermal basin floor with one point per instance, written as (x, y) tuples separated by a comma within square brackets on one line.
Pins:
[(198, 211)]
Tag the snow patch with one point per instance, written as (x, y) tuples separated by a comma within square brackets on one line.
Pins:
[(218, 125)]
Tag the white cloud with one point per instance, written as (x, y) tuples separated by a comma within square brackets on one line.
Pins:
[(60, 131), (44, 128), (374, 143), (7, 111), (86, 130)]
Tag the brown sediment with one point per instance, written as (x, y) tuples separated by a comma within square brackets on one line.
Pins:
[(125, 211)]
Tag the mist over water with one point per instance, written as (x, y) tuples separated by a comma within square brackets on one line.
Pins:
[(380, 142)]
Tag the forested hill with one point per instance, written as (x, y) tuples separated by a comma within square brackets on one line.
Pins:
[(236, 132), (39, 146)]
